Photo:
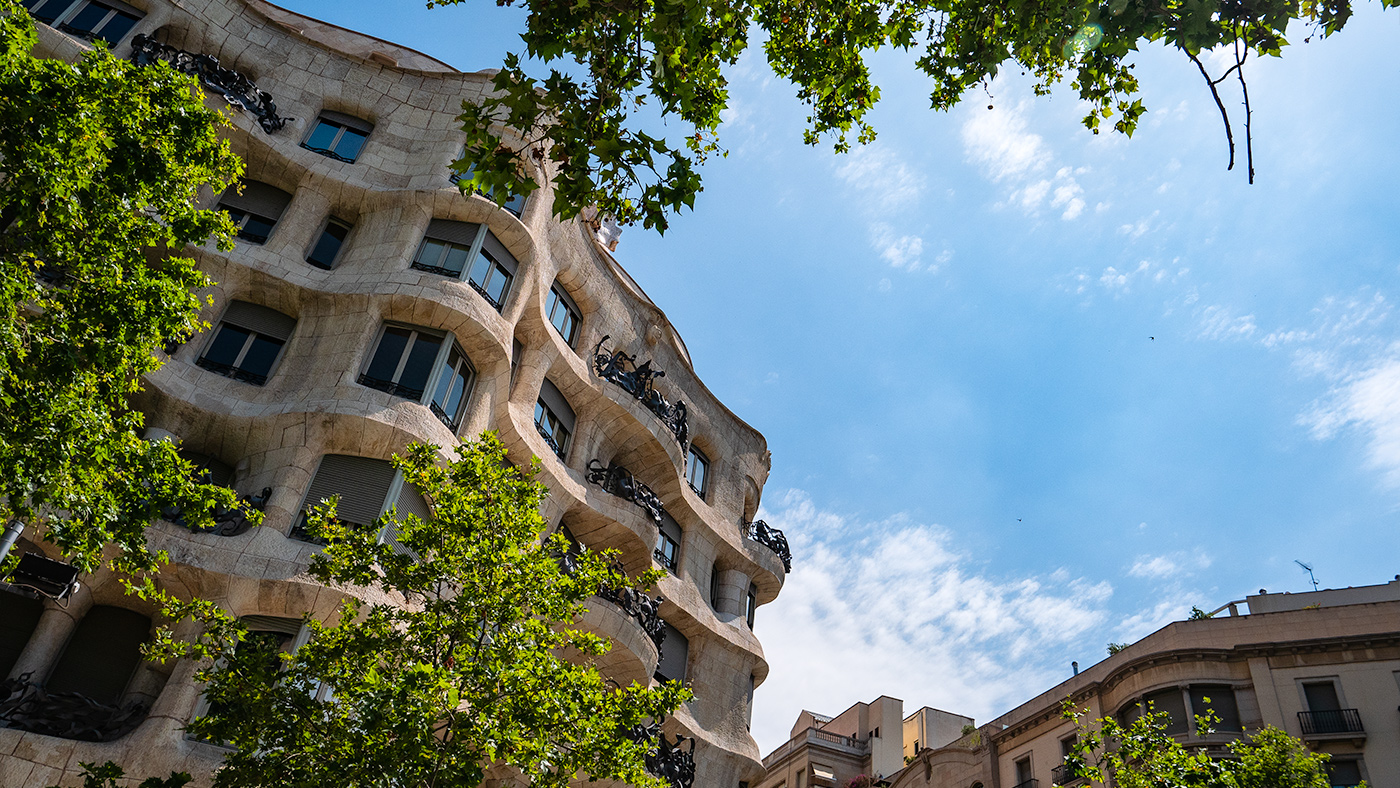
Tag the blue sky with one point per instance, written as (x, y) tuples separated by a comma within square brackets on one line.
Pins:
[(1030, 390)]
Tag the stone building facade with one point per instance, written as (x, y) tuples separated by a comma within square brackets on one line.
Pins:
[(368, 304), (1323, 666)]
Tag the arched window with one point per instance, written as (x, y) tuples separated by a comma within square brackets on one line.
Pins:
[(102, 655), (563, 313), (19, 615), (338, 136), (248, 342), (453, 248), (94, 20), (554, 419), (255, 208)]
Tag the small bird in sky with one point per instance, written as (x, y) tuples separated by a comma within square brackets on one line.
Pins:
[(1018, 519), (1154, 339)]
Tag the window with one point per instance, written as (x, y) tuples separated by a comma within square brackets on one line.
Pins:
[(1343, 774), (563, 313), (338, 136), (19, 615), (1221, 701), (751, 604), (94, 20), (1171, 702), (675, 654), (102, 654), (254, 207), (454, 385), (668, 542), (327, 248), (1023, 772), (448, 246), (554, 419), (714, 587), (516, 203), (402, 362), (409, 362), (247, 343), (697, 470), (367, 487), (1321, 696), (268, 638)]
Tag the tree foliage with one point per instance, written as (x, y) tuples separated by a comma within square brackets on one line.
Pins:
[(1142, 755), (110, 775), (100, 162), (458, 666), (621, 74)]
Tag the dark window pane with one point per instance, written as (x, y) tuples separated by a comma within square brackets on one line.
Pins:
[(452, 387), (328, 245), (456, 259), (102, 654), (387, 355), (1344, 773), (496, 287), (323, 136), (117, 28), (227, 344), (430, 253), (19, 616), (481, 270), (256, 229), (1221, 701), (46, 12), (1170, 701), (350, 143), (260, 356), (1322, 696), (86, 20), (420, 363)]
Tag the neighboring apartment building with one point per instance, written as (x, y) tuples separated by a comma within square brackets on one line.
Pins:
[(1324, 666), (873, 739), (369, 304)]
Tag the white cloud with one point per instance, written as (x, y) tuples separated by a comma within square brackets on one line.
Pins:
[(1370, 402), (882, 180), (1136, 230), (1168, 566), (1218, 322), (997, 141), (893, 608), (901, 251)]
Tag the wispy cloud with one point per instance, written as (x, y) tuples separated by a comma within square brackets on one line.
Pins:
[(997, 141), (901, 611), (886, 189), (1216, 322), (1368, 401)]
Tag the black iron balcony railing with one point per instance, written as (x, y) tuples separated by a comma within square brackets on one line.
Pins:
[(1064, 775), (619, 481), (490, 299), (667, 759), (235, 88), (26, 706), (771, 538), (1336, 721), (230, 371), (549, 439), (622, 369), (390, 387), (436, 269), (1031, 783)]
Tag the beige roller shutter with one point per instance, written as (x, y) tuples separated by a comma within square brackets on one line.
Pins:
[(362, 483)]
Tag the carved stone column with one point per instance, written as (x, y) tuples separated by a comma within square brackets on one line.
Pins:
[(51, 634)]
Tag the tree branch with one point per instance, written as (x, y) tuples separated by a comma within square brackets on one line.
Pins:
[(1224, 116)]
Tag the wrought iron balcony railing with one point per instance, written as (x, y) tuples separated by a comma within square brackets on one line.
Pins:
[(235, 88), (26, 706), (227, 522), (622, 369), (390, 387), (1324, 722), (230, 371), (671, 761), (1064, 775), (771, 538), (619, 481)]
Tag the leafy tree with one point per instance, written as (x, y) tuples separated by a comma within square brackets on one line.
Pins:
[(1142, 755), (1114, 648), (457, 665), (109, 775), (589, 118), (100, 162)]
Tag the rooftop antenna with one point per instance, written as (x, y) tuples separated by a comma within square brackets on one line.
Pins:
[(1308, 569)]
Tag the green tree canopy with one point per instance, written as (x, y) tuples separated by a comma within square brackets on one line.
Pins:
[(624, 75), (100, 162), (458, 667), (1142, 755)]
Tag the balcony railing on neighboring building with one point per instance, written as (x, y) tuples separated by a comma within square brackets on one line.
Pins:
[(818, 737), (1031, 783), (1323, 722), (1064, 775), (771, 538), (622, 369)]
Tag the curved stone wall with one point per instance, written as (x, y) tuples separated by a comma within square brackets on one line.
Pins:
[(274, 435)]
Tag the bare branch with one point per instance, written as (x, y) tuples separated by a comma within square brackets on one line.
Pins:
[(1224, 116), (1248, 133)]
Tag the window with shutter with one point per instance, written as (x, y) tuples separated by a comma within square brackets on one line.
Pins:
[(1219, 700), (563, 313), (697, 471), (361, 482), (668, 542), (675, 655), (554, 419), (327, 248), (247, 343), (338, 136), (1171, 702), (255, 208), (91, 20), (409, 502)]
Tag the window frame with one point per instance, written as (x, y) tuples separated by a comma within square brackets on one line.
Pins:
[(694, 458), (392, 493), (235, 372), (671, 559), (510, 205), (331, 219), (342, 124), (75, 7), (751, 604), (558, 297), (476, 250), (550, 433), (427, 397)]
